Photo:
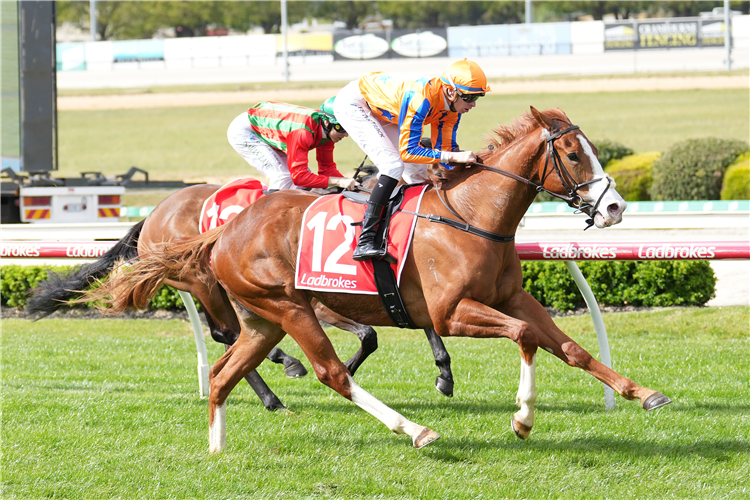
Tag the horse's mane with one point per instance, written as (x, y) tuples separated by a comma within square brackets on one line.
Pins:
[(504, 137)]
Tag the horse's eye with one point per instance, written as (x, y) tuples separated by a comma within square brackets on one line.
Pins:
[(573, 157)]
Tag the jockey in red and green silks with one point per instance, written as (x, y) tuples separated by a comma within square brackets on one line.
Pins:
[(275, 138)]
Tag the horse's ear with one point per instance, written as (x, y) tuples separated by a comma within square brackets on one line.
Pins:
[(542, 120)]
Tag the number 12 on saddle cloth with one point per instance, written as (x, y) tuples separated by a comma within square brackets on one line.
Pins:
[(328, 238)]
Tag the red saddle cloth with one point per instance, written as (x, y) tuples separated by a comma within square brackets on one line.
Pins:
[(228, 201), (327, 240)]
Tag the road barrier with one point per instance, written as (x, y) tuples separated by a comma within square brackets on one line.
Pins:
[(31, 251)]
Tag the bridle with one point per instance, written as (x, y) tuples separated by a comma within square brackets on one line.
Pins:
[(573, 199)]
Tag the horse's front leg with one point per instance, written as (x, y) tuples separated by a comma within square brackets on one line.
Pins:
[(444, 381), (553, 340), (474, 319)]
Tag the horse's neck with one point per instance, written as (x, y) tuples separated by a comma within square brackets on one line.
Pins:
[(494, 202)]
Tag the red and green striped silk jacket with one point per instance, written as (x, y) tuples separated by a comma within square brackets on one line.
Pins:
[(296, 130)]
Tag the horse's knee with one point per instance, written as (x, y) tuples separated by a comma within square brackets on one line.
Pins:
[(334, 376), (527, 340), (575, 355)]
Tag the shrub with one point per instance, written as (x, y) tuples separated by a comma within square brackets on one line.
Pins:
[(663, 283), (633, 175), (694, 169), (610, 150), (648, 283), (736, 185), (16, 281)]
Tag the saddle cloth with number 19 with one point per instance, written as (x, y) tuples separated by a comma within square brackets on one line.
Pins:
[(327, 240)]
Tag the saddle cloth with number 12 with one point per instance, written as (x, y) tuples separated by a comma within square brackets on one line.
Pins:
[(327, 240)]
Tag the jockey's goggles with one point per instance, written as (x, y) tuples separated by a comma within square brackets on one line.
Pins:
[(469, 98), (338, 128)]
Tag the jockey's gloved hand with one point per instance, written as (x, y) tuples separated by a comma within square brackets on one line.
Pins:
[(343, 182), (458, 156)]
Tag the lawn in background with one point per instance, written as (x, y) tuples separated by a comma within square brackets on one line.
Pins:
[(190, 143), (109, 408)]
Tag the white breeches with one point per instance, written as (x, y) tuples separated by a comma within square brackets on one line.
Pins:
[(378, 139), (269, 161)]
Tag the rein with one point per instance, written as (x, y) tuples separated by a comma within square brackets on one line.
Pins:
[(573, 199)]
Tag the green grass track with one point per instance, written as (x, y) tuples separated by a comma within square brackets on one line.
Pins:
[(109, 408)]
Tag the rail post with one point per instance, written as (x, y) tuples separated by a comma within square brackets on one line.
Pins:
[(601, 332), (200, 342)]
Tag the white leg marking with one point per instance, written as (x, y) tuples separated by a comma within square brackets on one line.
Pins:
[(392, 419), (526, 396), (217, 432)]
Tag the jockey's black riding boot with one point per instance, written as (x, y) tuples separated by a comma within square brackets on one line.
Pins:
[(366, 247)]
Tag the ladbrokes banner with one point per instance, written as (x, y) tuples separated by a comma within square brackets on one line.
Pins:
[(664, 34)]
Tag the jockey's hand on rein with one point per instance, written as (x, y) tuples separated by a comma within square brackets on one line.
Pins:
[(467, 157)]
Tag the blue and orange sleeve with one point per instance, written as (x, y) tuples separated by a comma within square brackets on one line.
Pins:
[(414, 111), (444, 132)]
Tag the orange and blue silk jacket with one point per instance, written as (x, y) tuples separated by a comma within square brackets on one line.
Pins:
[(412, 104)]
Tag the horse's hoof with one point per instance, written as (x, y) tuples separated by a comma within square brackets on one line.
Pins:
[(520, 430), (296, 369), (276, 406), (444, 386), (425, 437), (656, 400)]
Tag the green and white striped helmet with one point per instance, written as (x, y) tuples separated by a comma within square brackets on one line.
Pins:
[(327, 109)]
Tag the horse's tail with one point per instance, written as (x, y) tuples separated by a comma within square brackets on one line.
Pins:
[(131, 287), (60, 288)]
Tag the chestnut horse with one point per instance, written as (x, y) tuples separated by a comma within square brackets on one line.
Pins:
[(176, 218), (460, 284)]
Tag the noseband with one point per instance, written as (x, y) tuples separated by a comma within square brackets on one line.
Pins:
[(573, 199)]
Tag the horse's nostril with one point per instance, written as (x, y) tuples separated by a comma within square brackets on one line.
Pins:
[(613, 208)]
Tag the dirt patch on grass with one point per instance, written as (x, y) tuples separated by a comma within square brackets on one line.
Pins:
[(187, 99)]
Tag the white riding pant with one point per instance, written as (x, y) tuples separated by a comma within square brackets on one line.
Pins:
[(378, 139), (270, 162)]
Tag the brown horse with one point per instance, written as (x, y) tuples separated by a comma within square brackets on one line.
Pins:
[(461, 284), (175, 219)]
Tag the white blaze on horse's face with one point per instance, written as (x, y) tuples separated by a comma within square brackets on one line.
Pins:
[(611, 206)]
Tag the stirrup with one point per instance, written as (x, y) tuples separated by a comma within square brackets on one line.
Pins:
[(368, 254)]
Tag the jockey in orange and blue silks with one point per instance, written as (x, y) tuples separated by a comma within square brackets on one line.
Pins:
[(385, 116)]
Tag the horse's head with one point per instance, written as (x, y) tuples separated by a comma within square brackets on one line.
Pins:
[(572, 172)]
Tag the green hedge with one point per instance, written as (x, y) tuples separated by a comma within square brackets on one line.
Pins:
[(694, 169), (611, 150), (633, 175), (635, 283), (736, 185), (16, 281), (653, 284)]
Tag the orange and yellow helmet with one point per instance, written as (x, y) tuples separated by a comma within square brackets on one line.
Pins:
[(466, 77)]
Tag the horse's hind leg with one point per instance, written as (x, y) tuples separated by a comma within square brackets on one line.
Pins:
[(444, 381), (257, 338), (293, 367), (553, 340), (225, 329), (299, 321), (264, 393)]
